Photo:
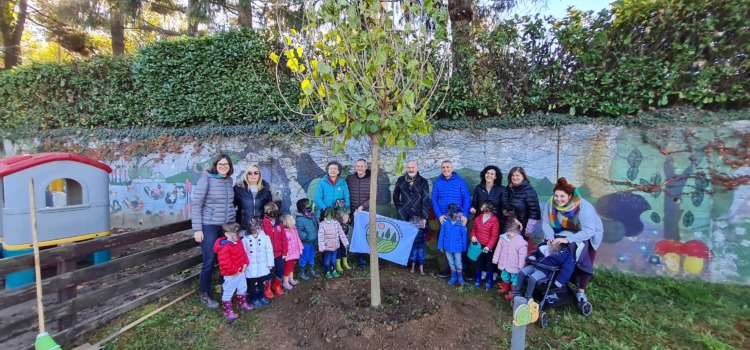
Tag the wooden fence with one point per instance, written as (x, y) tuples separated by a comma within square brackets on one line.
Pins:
[(71, 300)]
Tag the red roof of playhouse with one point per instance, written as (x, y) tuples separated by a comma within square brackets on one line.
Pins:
[(14, 164)]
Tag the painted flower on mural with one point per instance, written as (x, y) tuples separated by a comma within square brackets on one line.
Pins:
[(654, 260)]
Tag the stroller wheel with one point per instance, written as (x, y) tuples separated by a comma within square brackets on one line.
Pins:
[(543, 319), (585, 308)]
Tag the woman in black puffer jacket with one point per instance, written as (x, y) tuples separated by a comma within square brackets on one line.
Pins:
[(490, 189), (251, 193), (522, 198)]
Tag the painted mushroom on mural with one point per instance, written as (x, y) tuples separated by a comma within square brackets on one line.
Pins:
[(669, 250), (695, 254)]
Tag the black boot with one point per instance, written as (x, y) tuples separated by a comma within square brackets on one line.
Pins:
[(206, 300)]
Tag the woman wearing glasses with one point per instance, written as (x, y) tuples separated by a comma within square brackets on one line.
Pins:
[(251, 193), (213, 206)]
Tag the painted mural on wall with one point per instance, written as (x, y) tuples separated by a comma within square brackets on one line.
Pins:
[(674, 201)]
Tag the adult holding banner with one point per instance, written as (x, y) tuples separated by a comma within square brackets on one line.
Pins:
[(330, 189), (449, 188), (359, 193), (411, 199)]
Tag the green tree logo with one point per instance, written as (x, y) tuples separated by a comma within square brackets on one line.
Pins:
[(388, 237)]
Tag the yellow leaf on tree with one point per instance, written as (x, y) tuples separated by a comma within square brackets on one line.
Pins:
[(274, 57), (306, 87), (299, 52), (322, 91), (293, 64), (314, 65), (342, 62), (288, 40), (294, 31)]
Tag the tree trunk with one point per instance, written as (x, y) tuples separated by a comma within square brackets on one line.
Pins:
[(117, 30), (461, 16), (12, 33), (192, 29), (245, 13), (373, 234)]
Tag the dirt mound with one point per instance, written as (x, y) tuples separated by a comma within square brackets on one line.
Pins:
[(417, 312)]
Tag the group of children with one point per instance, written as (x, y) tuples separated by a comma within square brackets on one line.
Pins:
[(510, 253), (247, 254)]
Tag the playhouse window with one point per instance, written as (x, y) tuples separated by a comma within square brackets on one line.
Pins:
[(64, 192)]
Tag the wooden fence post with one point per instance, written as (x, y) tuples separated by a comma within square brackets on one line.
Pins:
[(65, 266)]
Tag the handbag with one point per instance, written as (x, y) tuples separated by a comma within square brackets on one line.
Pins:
[(474, 250)]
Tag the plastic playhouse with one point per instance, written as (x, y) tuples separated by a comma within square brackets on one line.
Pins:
[(72, 198)]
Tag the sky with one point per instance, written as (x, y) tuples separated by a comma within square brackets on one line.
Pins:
[(557, 8)]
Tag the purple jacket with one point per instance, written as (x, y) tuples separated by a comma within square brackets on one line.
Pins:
[(510, 253)]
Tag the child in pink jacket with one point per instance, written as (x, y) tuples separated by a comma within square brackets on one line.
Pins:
[(294, 250), (510, 257)]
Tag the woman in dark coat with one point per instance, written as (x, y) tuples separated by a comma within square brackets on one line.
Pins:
[(490, 189), (522, 198), (251, 193)]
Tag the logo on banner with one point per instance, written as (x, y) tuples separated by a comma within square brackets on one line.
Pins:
[(388, 236)]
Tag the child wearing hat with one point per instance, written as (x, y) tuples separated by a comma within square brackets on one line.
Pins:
[(453, 241)]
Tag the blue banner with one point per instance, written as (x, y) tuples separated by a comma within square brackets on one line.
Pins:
[(395, 237)]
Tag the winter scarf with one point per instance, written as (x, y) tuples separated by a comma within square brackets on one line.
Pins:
[(569, 214)]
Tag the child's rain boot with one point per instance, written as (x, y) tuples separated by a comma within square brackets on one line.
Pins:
[(460, 274), (291, 279), (303, 274), (345, 263), (228, 312), (478, 281), (255, 300), (268, 293), (285, 283), (452, 281), (276, 287), (242, 302), (488, 286), (313, 273), (338, 266), (504, 288)]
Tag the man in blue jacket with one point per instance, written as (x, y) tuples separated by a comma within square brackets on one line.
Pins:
[(449, 188)]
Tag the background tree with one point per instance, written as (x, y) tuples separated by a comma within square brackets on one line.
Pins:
[(366, 71), (12, 24)]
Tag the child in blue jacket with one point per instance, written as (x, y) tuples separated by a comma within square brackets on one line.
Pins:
[(453, 241), (556, 255)]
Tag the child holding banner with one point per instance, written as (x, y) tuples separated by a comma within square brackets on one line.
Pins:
[(330, 238), (453, 242)]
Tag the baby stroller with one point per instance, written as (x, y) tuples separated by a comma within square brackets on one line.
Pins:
[(546, 293)]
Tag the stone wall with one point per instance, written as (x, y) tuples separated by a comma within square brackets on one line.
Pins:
[(674, 200)]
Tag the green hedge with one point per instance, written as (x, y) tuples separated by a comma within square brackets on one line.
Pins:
[(636, 56), (611, 66), (222, 79)]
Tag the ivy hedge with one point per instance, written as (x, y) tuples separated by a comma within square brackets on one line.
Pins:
[(619, 66), (222, 79)]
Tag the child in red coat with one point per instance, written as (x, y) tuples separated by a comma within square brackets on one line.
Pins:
[(485, 232), (275, 231), (232, 262)]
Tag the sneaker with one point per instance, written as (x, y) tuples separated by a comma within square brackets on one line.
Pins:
[(328, 275), (581, 297), (336, 274), (444, 274), (208, 301)]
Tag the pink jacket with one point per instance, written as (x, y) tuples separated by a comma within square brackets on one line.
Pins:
[(329, 235), (510, 253), (295, 244)]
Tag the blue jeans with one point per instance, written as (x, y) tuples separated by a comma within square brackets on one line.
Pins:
[(329, 258), (454, 260), (308, 255), (418, 253), (210, 234)]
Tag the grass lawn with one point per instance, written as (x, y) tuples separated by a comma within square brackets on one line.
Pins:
[(629, 313)]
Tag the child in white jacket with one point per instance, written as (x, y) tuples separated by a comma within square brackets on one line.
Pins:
[(260, 253)]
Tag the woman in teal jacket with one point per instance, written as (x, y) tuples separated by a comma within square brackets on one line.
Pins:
[(331, 188)]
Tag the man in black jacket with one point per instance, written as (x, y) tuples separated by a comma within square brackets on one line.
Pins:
[(359, 195), (411, 196)]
